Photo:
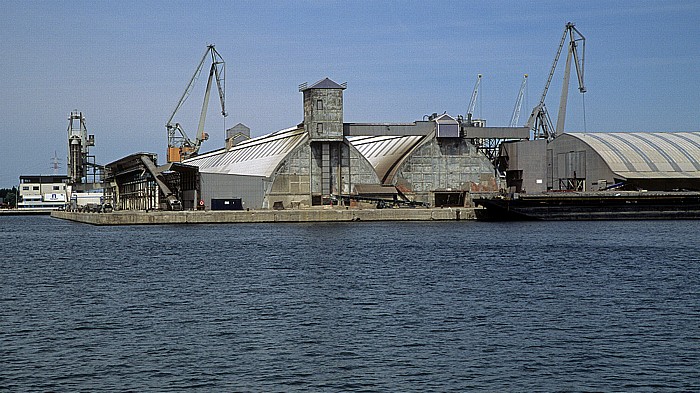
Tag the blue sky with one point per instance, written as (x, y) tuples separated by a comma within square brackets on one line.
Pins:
[(125, 65)]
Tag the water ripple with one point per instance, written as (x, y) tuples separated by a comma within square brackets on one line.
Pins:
[(360, 307)]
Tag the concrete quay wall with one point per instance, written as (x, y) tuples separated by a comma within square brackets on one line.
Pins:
[(261, 216)]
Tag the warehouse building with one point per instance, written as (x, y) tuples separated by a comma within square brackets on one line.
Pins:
[(437, 161), (434, 161), (136, 182), (427, 161), (306, 165), (661, 161)]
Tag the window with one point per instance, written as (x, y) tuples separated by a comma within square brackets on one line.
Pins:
[(35, 188), (319, 105), (56, 187), (319, 128), (25, 188)]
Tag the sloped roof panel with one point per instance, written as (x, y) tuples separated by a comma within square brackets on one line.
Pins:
[(445, 118), (383, 152), (647, 155), (254, 157), (325, 83)]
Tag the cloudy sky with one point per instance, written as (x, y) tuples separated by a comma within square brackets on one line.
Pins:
[(125, 65)]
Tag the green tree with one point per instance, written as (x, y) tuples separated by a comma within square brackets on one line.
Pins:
[(9, 196)]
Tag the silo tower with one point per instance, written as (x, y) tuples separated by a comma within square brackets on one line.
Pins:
[(323, 122), (79, 143)]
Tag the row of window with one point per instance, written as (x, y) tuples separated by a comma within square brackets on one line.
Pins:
[(319, 126), (36, 188)]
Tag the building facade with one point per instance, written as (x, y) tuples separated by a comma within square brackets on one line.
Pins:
[(45, 192), (307, 165), (659, 161), (324, 158)]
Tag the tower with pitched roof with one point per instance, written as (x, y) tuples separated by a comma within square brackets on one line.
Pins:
[(323, 110)]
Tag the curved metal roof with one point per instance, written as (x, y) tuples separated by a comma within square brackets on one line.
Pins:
[(254, 157), (384, 152), (647, 154)]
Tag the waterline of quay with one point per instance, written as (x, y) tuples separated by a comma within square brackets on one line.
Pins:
[(260, 216)]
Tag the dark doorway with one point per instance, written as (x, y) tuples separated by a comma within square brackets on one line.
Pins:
[(449, 199)]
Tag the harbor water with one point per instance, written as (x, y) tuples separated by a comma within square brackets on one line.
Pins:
[(350, 307)]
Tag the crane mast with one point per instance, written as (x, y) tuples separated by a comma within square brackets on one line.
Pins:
[(180, 146), (539, 121), (518, 103), (472, 101)]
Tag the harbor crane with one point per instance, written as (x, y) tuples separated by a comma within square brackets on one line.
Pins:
[(180, 146), (518, 103), (539, 121), (472, 101)]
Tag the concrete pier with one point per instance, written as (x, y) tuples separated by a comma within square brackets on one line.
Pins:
[(262, 216)]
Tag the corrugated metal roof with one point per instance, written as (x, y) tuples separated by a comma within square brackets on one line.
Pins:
[(254, 157), (384, 152), (646, 154)]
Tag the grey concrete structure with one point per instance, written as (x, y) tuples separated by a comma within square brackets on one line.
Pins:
[(323, 160), (237, 134), (427, 161), (444, 172), (323, 110), (335, 164), (316, 170), (266, 216), (249, 189), (300, 166), (595, 161), (417, 128), (524, 165)]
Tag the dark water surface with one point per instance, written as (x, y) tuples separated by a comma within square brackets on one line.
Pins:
[(393, 307)]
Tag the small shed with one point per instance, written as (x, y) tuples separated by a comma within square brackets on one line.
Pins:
[(446, 126)]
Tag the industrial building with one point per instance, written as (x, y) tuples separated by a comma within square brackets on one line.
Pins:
[(42, 192), (556, 161), (438, 161), (79, 188), (83, 172), (659, 161), (298, 166), (323, 160), (136, 182)]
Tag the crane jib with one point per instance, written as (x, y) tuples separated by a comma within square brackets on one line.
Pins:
[(539, 120), (180, 146)]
